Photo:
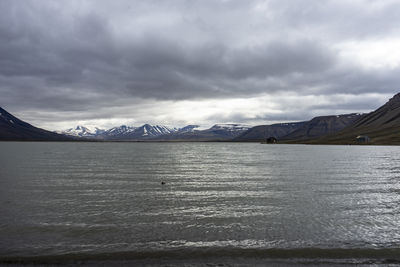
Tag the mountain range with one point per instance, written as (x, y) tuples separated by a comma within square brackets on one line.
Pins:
[(382, 126), (316, 127), (218, 132)]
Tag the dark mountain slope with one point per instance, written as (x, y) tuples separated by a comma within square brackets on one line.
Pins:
[(381, 125), (385, 116), (14, 129)]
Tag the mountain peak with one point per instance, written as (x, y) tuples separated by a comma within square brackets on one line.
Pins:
[(396, 96), (81, 128), (394, 101), (78, 131)]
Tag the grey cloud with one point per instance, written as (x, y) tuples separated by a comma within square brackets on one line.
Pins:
[(340, 18), (85, 55)]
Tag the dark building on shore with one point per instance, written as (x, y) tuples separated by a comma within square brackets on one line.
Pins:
[(271, 140), (362, 139)]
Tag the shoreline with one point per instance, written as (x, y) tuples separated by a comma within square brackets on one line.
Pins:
[(217, 256)]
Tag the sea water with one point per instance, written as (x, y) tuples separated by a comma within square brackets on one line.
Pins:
[(198, 203)]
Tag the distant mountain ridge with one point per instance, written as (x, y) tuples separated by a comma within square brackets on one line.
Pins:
[(261, 132), (122, 132), (322, 125), (117, 131), (316, 127), (218, 132), (143, 132), (159, 132)]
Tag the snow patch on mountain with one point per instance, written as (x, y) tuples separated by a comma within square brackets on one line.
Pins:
[(121, 130), (155, 130), (232, 127), (188, 129)]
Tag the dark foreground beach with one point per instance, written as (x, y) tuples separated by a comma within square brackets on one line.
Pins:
[(221, 257)]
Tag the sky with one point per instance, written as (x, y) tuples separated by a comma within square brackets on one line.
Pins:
[(106, 63)]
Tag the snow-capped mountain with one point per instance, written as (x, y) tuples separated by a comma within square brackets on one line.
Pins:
[(82, 131), (158, 132), (79, 131), (226, 130), (145, 131), (117, 131), (219, 132)]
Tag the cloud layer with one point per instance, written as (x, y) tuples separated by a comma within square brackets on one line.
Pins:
[(131, 61)]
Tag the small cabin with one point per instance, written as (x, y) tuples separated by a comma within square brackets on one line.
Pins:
[(271, 140), (362, 139)]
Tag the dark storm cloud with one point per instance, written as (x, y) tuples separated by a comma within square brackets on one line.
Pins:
[(80, 55)]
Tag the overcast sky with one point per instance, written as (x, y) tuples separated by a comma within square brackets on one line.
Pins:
[(111, 62)]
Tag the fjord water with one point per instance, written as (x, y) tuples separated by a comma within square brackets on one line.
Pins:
[(219, 201)]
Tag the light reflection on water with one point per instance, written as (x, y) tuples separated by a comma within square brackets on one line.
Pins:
[(107, 197)]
